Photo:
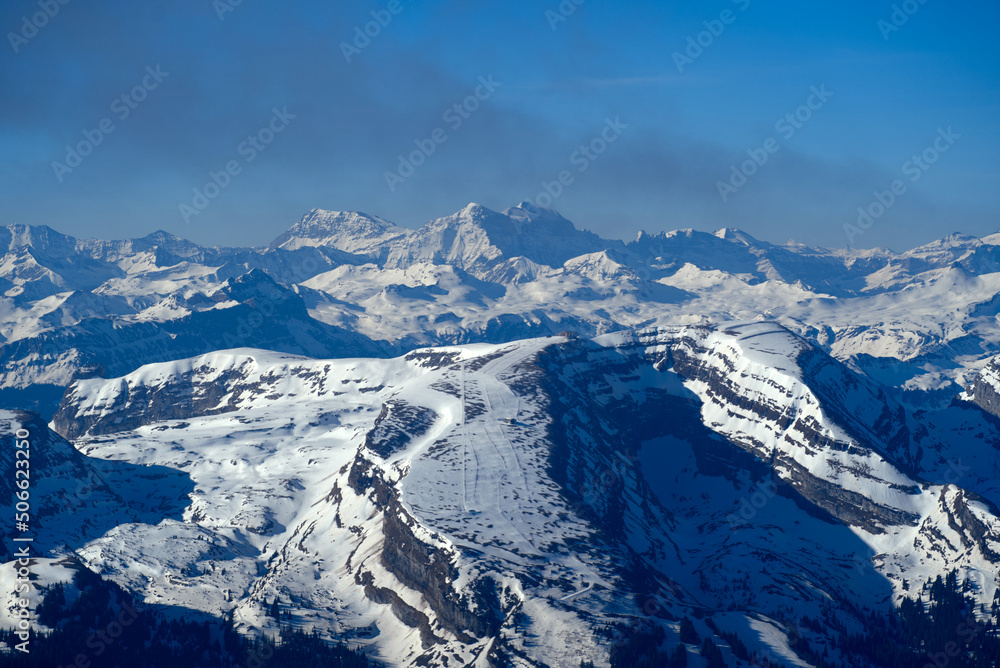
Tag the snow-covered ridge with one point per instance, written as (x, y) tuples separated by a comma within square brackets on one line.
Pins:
[(219, 382)]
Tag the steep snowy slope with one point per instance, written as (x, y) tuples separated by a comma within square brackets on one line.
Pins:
[(834, 444)]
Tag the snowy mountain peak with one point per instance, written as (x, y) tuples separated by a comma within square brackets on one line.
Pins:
[(257, 286), (526, 211), (642, 236), (162, 237), (737, 236), (474, 210), (350, 231), (39, 237), (509, 484), (958, 238), (475, 214)]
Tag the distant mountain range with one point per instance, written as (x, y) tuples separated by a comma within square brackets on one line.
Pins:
[(497, 437), (349, 284)]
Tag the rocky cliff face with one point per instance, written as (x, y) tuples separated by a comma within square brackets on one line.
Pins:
[(829, 441), (984, 390)]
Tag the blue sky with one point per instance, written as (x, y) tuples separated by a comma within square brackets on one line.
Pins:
[(559, 78)]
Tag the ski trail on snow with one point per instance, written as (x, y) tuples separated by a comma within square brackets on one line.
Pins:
[(494, 491)]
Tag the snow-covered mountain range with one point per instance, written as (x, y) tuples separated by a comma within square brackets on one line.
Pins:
[(923, 321), (498, 436)]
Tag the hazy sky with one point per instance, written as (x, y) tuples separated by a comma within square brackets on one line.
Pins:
[(686, 91)]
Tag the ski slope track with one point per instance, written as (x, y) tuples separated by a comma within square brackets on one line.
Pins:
[(337, 487)]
